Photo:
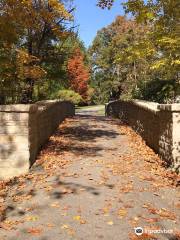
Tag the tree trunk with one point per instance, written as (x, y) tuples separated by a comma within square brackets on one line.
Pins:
[(27, 93)]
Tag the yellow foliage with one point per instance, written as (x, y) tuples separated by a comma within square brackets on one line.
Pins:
[(176, 62), (30, 15), (27, 66), (158, 64)]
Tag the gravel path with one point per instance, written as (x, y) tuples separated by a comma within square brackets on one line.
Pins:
[(92, 182)]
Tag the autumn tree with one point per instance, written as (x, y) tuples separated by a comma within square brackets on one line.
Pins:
[(78, 73), (161, 43), (57, 75), (162, 17), (117, 69), (30, 30)]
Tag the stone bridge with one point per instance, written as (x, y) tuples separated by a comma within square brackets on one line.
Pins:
[(24, 129), (94, 179)]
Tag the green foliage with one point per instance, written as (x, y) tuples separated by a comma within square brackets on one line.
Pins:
[(69, 95), (162, 91), (127, 53), (116, 67), (162, 18), (31, 49), (8, 80), (12, 71), (151, 47), (57, 75)]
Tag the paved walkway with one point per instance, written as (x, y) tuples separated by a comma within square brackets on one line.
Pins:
[(94, 180)]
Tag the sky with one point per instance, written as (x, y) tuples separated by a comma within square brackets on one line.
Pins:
[(91, 18)]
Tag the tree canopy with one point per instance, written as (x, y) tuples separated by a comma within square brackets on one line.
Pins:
[(31, 45), (147, 51), (42, 55)]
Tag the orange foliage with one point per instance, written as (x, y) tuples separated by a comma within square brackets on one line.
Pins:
[(78, 73)]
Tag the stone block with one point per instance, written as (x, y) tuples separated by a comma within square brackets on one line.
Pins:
[(23, 131), (158, 124)]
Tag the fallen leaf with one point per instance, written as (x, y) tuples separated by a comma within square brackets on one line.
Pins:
[(5, 226), (50, 225), (55, 205), (31, 218), (151, 220), (177, 205), (71, 232), (83, 222), (144, 236), (64, 226), (77, 218), (110, 223), (34, 231), (122, 212)]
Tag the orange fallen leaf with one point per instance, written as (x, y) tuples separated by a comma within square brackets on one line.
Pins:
[(151, 220), (82, 221), (34, 231), (177, 205), (144, 236), (5, 226), (50, 225)]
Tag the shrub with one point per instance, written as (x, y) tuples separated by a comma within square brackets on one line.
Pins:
[(70, 95)]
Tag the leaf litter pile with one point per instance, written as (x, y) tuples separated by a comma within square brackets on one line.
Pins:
[(140, 162)]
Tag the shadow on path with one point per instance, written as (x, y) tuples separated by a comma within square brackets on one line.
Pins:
[(79, 139), (60, 189), (88, 181)]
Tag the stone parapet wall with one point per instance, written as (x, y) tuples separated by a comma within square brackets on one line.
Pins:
[(158, 124), (23, 131)]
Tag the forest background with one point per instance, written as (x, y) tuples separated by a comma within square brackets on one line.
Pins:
[(42, 56)]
